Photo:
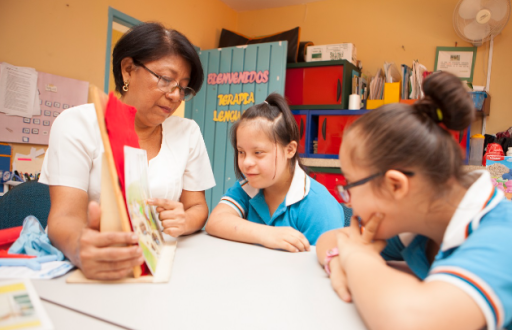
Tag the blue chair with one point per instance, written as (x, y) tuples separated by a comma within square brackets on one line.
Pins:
[(29, 198), (348, 214)]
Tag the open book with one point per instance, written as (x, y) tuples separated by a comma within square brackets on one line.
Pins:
[(142, 215)]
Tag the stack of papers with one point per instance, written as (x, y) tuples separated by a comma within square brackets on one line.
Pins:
[(392, 73), (417, 77), (377, 86), (406, 77), (18, 91)]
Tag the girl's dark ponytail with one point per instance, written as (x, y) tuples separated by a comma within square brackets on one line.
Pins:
[(446, 101)]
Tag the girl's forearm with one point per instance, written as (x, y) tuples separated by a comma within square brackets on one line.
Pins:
[(195, 218), (385, 297), (234, 228)]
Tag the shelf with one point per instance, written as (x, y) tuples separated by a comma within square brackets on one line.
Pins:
[(323, 110), (317, 64), (321, 162)]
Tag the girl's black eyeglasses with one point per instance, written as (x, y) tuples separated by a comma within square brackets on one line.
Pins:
[(343, 190)]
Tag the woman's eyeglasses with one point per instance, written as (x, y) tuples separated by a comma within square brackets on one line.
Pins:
[(343, 190), (168, 85)]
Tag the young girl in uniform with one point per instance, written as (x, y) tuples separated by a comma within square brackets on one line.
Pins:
[(453, 229), (275, 203)]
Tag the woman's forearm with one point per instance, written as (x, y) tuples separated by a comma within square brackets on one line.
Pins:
[(65, 235)]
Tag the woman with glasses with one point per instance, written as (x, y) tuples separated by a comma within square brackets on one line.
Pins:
[(155, 69), (453, 229)]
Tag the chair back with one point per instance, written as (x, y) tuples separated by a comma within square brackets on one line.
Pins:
[(29, 198), (348, 214)]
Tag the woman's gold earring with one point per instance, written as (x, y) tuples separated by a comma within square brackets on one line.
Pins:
[(125, 87)]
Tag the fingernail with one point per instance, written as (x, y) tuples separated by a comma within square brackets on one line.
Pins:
[(378, 215), (139, 250), (135, 237), (150, 200)]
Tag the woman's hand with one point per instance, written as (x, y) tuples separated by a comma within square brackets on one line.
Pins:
[(100, 255), (353, 241), (172, 216), (284, 238)]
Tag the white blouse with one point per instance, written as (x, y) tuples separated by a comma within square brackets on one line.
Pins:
[(74, 154)]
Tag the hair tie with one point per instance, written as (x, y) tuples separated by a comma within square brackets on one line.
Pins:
[(265, 102), (439, 114)]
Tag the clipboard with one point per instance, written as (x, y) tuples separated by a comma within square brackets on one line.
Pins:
[(114, 215)]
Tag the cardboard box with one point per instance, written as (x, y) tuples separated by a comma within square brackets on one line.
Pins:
[(346, 51), (500, 168)]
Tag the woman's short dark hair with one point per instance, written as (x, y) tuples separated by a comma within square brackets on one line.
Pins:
[(283, 130), (401, 136), (151, 41)]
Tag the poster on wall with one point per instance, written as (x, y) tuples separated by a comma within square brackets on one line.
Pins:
[(236, 78), (55, 94)]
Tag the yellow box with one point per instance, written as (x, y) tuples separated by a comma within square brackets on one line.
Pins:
[(392, 92), (374, 104)]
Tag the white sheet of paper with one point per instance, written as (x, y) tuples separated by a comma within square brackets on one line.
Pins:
[(18, 87), (48, 270), (458, 63)]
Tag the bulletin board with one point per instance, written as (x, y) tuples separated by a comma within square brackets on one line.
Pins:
[(235, 79), (56, 94)]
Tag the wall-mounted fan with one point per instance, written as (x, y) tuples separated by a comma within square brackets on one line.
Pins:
[(477, 21)]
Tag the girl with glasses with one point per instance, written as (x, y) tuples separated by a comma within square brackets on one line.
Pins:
[(155, 69), (275, 203), (453, 229)]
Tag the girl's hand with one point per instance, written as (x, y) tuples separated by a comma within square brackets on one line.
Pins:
[(284, 238), (352, 242), (339, 280), (171, 214)]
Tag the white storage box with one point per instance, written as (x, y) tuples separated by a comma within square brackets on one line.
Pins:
[(346, 51)]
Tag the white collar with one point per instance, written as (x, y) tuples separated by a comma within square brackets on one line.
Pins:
[(299, 188), (480, 198)]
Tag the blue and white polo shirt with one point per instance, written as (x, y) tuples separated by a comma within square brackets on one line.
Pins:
[(308, 206), (476, 252)]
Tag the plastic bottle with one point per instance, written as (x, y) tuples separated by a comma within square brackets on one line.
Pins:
[(509, 151), (476, 149)]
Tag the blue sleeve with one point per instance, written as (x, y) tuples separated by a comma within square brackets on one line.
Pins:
[(237, 198), (319, 213), (393, 250), (482, 266)]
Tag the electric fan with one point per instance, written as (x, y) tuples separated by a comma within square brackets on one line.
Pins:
[(477, 21)]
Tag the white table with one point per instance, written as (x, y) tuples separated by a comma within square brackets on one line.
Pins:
[(64, 318), (215, 284)]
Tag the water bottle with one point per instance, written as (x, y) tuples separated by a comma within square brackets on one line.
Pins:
[(476, 149)]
